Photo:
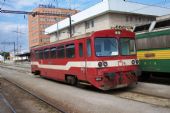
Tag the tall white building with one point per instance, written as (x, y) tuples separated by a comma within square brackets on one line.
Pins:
[(105, 15)]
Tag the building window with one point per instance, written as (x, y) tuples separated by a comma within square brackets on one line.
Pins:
[(89, 24), (92, 23), (140, 19), (131, 18), (73, 29), (127, 19), (70, 51), (136, 18), (41, 40)]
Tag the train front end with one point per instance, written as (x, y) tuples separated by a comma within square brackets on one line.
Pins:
[(117, 64)]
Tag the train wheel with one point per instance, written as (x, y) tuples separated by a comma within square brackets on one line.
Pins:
[(72, 80)]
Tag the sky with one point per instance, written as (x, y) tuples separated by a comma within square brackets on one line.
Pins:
[(9, 23)]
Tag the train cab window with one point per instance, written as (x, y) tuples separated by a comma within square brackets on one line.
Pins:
[(80, 49), (88, 47), (127, 46), (70, 51), (53, 52), (36, 55), (41, 54), (106, 46), (46, 53), (60, 52)]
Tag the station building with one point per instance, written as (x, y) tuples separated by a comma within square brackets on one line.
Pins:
[(38, 23), (105, 15)]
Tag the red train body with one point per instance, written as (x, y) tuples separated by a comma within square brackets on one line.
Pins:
[(106, 59)]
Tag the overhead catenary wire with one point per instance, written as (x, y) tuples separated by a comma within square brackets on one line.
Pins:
[(149, 5), (87, 4)]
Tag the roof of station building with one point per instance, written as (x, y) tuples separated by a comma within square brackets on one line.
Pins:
[(115, 6)]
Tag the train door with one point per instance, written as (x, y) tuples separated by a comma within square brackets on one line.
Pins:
[(82, 58), (88, 56)]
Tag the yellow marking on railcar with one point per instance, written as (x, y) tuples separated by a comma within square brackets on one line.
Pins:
[(154, 54)]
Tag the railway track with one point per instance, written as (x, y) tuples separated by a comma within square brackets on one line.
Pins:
[(61, 110), (130, 94), (144, 98), (20, 69), (7, 105), (33, 94), (22, 88), (124, 93)]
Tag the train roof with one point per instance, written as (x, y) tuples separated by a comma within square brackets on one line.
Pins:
[(86, 35)]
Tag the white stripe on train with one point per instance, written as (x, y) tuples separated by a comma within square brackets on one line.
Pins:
[(88, 64)]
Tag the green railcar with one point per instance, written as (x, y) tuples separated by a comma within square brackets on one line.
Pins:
[(153, 47)]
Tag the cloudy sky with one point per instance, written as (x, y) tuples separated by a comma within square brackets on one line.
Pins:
[(10, 22)]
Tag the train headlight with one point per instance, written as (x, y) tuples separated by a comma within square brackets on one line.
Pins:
[(117, 32), (133, 62), (100, 64), (105, 64), (137, 61)]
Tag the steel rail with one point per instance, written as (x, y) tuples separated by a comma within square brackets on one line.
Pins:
[(33, 94), (133, 92), (59, 108), (8, 104)]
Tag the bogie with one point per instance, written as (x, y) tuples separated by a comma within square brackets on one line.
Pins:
[(71, 79)]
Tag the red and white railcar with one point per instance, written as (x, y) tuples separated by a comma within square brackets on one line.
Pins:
[(106, 59)]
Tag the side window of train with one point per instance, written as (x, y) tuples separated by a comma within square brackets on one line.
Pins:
[(46, 53), (88, 43), (80, 49), (141, 44), (152, 42), (70, 51), (41, 54), (168, 42), (32, 55), (53, 52), (36, 55), (60, 52)]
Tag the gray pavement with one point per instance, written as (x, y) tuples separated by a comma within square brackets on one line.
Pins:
[(153, 89), (77, 100)]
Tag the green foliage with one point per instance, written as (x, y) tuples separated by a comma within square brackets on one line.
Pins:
[(6, 55)]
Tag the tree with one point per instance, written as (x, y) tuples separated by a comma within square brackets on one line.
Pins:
[(6, 55)]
